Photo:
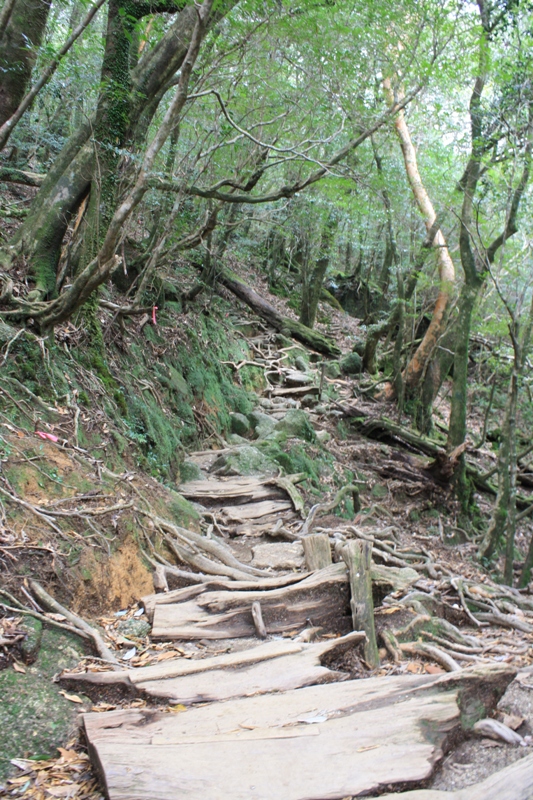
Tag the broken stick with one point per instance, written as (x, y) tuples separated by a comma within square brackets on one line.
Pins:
[(257, 616)]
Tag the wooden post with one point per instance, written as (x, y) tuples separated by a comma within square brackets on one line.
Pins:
[(358, 556), (317, 551)]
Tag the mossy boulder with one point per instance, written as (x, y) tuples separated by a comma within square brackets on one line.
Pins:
[(183, 512), (32, 642), (295, 425), (245, 460), (351, 364), (359, 347), (300, 363), (189, 471), (332, 369), (239, 424), (262, 424)]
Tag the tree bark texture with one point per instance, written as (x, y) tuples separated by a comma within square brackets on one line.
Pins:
[(19, 45)]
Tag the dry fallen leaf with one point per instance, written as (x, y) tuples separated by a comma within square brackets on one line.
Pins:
[(18, 668), (72, 697), (433, 670), (177, 708), (512, 721)]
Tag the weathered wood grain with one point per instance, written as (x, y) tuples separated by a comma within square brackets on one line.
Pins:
[(320, 599), (315, 743), (271, 667)]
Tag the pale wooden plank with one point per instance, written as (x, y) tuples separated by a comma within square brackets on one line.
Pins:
[(255, 510), (350, 755), (278, 710), (150, 601), (323, 598), (249, 488), (284, 673)]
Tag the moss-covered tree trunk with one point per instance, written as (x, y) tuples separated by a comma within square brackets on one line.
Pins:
[(313, 279), (457, 427), (89, 160), (19, 45)]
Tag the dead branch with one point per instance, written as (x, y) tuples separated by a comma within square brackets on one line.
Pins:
[(76, 621)]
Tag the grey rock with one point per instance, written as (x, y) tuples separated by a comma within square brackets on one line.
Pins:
[(239, 424), (138, 628), (300, 363), (323, 436), (296, 378), (234, 438), (296, 424), (278, 555), (265, 402)]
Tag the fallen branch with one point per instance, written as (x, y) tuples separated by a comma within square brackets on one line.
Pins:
[(76, 621)]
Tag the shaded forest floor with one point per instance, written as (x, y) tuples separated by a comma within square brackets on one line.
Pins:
[(92, 493)]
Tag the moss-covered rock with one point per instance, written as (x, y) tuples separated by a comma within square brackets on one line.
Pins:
[(189, 471), (262, 424), (332, 369), (239, 424), (295, 424), (245, 460), (32, 642), (183, 512), (351, 364), (35, 718), (300, 363)]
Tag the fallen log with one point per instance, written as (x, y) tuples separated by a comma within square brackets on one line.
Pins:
[(102, 649), (285, 325), (336, 740)]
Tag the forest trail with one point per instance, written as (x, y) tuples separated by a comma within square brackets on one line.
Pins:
[(261, 686)]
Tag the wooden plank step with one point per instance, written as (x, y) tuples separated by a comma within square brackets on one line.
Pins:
[(271, 667), (330, 741), (242, 513), (322, 598), (250, 488)]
